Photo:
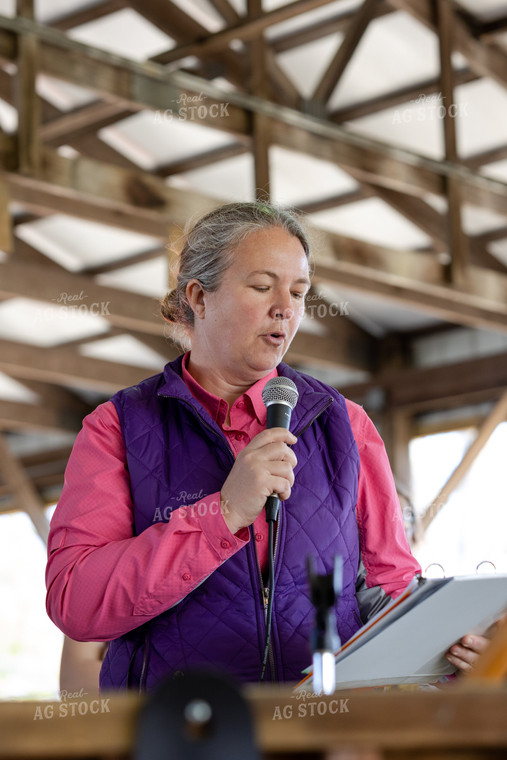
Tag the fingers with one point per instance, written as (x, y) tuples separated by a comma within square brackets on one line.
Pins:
[(464, 654), (264, 467), (272, 435), (269, 450), (281, 480)]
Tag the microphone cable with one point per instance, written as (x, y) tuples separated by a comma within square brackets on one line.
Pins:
[(271, 596), (280, 396)]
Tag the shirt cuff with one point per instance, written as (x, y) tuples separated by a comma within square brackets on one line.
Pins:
[(216, 531)]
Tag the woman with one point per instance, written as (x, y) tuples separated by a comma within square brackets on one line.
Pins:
[(159, 541)]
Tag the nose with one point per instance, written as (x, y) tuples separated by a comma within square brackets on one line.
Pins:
[(282, 307)]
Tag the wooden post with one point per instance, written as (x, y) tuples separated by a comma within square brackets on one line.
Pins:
[(27, 497), (28, 100), (6, 239), (497, 415), (457, 240), (261, 132)]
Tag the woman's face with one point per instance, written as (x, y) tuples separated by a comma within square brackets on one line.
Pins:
[(247, 325)]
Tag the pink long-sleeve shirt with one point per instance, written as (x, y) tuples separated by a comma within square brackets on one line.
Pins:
[(103, 581)]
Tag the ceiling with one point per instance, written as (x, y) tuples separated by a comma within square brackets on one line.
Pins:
[(383, 122)]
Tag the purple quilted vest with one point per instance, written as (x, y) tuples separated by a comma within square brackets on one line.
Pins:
[(172, 446)]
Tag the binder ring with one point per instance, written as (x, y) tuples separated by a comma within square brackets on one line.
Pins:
[(434, 564), (485, 562)]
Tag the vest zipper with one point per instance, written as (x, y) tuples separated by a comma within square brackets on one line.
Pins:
[(300, 432), (265, 598), (223, 440)]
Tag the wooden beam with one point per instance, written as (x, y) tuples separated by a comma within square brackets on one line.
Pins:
[(91, 13), (486, 60), (396, 434), (27, 100), (321, 29), (428, 389), (403, 276), (6, 86), (28, 417), (486, 157), (25, 493), (27, 254), (330, 352), (491, 29), (415, 178), (282, 86), (139, 314), (122, 309), (122, 188), (154, 87), (335, 201), (455, 419), (457, 242), (473, 726), (8, 46), (6, 239), (115, 194), (425, 388), (163, 345), (247, 30), (64, 366), (226, 10), (352, 346), (434, 224), (45, 198), (51, 456), (64, 129), (413, 279), (397, 97), (92, 146), (182, 27), (346, 50), (497, 415), (143, 84), (128, 261), (500, 233), (261, 127), (201, 159)]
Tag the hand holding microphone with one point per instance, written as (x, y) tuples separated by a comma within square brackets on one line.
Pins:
[(263, 471), (280, 396)]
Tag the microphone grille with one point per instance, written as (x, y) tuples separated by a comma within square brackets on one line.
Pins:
[(280, 390)]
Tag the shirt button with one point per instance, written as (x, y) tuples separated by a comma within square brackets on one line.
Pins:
[(224, 544), (239, 436), (186, 576), (258, 536)]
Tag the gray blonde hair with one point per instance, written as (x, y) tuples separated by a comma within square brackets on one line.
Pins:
[(208, 251)]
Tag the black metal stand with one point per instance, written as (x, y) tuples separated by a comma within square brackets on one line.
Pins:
[(324, 641), (199, 716)]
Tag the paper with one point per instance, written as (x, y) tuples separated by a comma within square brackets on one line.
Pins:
[(406, 642)]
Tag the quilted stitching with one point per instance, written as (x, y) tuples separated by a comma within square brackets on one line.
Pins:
[(218, 622)]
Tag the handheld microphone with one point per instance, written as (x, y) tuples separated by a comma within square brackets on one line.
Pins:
[(280, 396)]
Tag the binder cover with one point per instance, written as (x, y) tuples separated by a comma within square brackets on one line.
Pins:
[(407, 640)]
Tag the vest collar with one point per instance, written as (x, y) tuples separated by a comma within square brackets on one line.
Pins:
[(311, 402)]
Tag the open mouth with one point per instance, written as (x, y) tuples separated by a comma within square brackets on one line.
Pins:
[(275, 338)]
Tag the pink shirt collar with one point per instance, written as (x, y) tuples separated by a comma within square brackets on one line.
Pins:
[(251, 401)]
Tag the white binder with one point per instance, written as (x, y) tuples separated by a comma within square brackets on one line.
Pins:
[(406, 642)]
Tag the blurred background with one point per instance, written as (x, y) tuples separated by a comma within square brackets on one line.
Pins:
[(383, 122)]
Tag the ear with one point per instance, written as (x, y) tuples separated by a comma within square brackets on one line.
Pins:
[(195, 294)]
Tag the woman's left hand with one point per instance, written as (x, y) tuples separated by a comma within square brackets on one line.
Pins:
[(465, 653)]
